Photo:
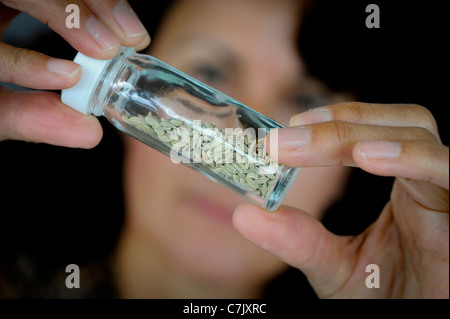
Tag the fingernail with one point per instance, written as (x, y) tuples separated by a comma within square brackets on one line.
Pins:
[(64, 68), (294, 137), (380, 149), (128, 21), (145, 41), (311, 117), (102, 34)]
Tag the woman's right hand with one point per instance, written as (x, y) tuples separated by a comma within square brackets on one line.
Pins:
[(409, 241), (39, 116)]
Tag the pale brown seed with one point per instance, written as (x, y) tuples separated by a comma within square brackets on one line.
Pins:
[(246, 163)]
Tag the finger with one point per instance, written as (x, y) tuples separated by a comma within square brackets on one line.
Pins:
[(331, 143), (401, 115), (92, 37), (300, 240), (35, 70), (41, 117), (121, 18), (422, 161)]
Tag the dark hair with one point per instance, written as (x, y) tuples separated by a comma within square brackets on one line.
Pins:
[(56, 212), (62, 206), (403, 61)]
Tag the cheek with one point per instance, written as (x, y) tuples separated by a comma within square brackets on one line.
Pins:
[(316, 188), (149, 183), (144, 166), (155, 190)]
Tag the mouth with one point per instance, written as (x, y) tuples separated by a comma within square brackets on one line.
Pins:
[(212, 209)]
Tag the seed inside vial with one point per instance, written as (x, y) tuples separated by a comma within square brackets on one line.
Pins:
[(233, 155)]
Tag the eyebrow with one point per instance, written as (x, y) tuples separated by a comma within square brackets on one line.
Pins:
[(188, 104), (230, 58)]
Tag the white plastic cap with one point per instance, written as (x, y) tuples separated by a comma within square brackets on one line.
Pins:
[(78, 96)]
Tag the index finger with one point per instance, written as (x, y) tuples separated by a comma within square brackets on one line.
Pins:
[(100, 31), (398, 115), (331, 143)]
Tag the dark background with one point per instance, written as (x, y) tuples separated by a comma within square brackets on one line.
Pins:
[(60, 206)]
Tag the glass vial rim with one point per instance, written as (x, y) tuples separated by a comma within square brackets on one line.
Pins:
[(112, 71)]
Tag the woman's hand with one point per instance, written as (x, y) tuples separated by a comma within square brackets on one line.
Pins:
[(410, 239), (40, 116)]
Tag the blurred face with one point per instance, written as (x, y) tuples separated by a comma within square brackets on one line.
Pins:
[(247, 50)]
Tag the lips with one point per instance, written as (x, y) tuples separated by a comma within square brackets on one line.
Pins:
[(212, 209)]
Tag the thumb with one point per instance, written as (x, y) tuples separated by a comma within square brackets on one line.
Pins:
[(301, 241)]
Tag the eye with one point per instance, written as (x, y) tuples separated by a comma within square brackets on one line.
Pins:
[(209, 74)]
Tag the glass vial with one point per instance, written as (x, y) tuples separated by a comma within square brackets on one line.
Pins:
[(185, 119)]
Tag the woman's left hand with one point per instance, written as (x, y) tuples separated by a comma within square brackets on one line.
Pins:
[(409, 241)]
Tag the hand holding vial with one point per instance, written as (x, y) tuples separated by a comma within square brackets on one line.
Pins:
[(40, 116)]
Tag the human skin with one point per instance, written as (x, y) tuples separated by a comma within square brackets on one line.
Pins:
[(40, 116), (190, 249), (178, 239), (408, 242)]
